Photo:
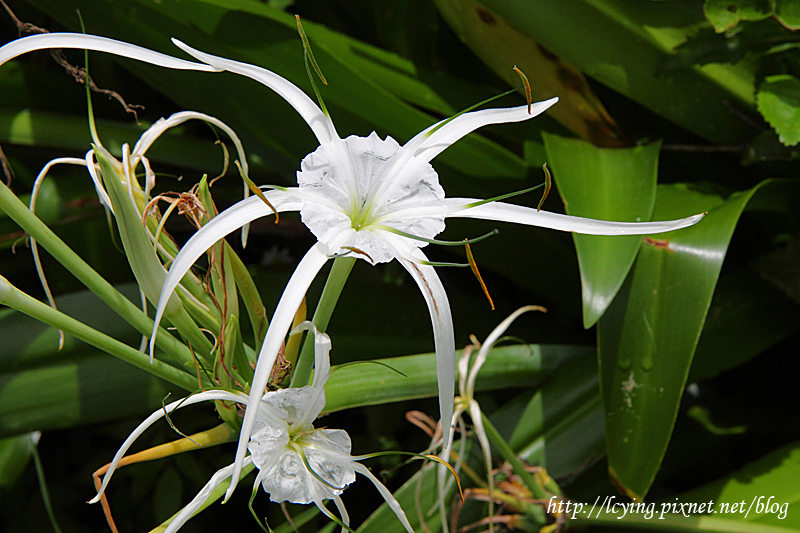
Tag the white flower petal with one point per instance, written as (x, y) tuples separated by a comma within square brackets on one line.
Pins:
[(37, 184), (187, 512), (488, 344), (444, 341), (299, 407), (425, 146), (288, 479), (82, 41), (281, 322), (102, 195), (322, 349), (320, 124), (270, 434), (226, 222), (342, 512), (380, 182), (393, 504), (529, 216), (162, 125), (196, 398)]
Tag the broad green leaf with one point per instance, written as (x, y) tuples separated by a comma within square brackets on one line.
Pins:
[(501, 46), (788, 13), (747, 316), (15, 454), (29, 127), (371, 384), (779, 102), (768, 487), (605, 184), (647, 338), (559, 426), (42, 388), (725, 14), (623, 49), (706, 47)]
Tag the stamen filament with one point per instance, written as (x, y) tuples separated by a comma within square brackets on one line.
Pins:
[(308, 56), (503, 197), (253, 187), (470, 108), (437, 241)]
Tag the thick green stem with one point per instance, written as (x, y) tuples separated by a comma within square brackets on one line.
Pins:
[(499, 444), (128, 311), (16, 299), (327, 302)]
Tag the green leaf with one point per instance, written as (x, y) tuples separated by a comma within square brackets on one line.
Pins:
[(768, 487), (747, 316), (647, 338), (788, 13), (42, 388), (725, 14), (15, 454), (605, 184), (623, 49), (707, 47), (778, 101), (559, 426), (500, 46), (508, 366)]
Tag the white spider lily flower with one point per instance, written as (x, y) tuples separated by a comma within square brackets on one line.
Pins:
[(365, 196), (297, 462), (465, 402), (380, 201)]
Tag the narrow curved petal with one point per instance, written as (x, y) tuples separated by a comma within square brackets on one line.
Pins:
[(322, 349), (529, 216), (432, 290), (37, 184), (187, 512), (342, 512), (393, 504), (320, 124), (426, 145), (102, 195), (281, 322), (488, 344), (162, 125), (150, 420), (226, 222), (80, 41)]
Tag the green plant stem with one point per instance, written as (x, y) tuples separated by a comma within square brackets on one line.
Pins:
[(128, 311), (43, 482), (322, 315), (16, 299), (499, 444)]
